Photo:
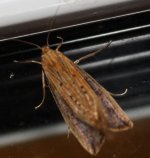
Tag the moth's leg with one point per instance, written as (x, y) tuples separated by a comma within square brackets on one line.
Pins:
[(119, 94), (43, 86), (59, 44), (43, 78), (92, 54), (27, 61), (68, 132)]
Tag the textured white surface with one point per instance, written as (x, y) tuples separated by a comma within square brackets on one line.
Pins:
[(19, 11)]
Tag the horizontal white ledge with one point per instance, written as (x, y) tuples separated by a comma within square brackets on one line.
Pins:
[(20, 11)]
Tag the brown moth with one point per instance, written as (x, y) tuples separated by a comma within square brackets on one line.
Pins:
[(88, 109)]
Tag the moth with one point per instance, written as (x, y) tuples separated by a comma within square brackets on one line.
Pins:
[(88, 108)]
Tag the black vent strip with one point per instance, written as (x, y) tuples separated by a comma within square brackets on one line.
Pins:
[(99, 29), (134, 49), (125, 64)]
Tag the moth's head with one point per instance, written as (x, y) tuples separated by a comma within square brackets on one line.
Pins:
[(45, 49)]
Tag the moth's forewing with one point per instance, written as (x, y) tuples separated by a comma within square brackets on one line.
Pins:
[(116, 119), (90, 138), (69, 83)]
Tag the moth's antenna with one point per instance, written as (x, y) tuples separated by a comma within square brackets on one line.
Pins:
[(26, 42), (51, 25)]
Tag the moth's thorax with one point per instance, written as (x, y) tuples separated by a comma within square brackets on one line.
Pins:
[(50, 57)]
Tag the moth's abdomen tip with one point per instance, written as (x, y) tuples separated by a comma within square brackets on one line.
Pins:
[(128, 125), (123, 126), (131, 124)]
